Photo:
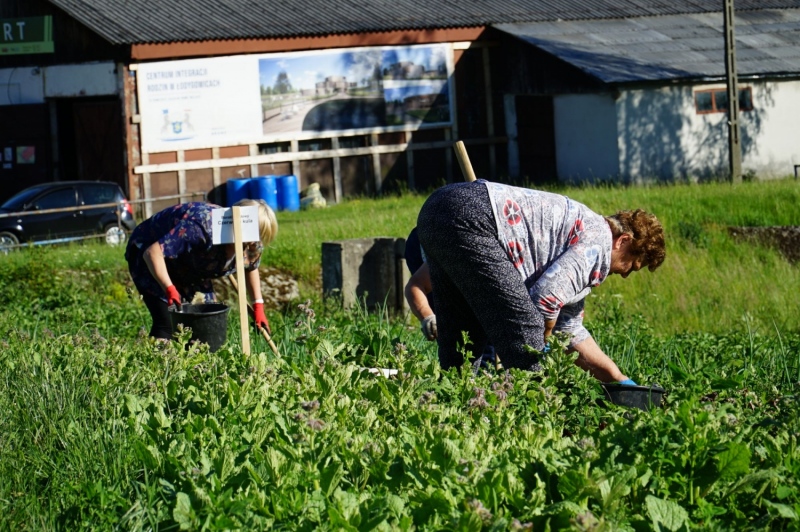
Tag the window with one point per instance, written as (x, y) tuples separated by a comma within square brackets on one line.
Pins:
[(275, 147), (716, 100), (359, 141), (97, 194), (314, 145), (58, 199)]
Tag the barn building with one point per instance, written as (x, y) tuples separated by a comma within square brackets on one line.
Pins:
[(175, 98)]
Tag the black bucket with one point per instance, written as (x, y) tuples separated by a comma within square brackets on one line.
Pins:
[(209, 322), (641, 397)]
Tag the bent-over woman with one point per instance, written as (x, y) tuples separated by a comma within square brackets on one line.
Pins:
[(511, 265), (171, 257)]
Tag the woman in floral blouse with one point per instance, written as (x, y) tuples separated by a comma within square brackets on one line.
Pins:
[(171, 257), (511, 265)]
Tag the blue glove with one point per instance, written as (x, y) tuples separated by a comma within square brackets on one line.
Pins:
[(628, 382)]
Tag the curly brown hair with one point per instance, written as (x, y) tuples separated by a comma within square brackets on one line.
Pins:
[(648, 235)]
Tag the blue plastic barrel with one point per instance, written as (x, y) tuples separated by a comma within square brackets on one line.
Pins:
[(265, 188), (288, 193), (237, 189)]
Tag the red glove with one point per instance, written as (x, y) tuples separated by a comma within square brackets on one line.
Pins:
[(173, 297), (260, 318)]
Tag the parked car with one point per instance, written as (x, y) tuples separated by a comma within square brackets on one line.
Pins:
[(83, 221)]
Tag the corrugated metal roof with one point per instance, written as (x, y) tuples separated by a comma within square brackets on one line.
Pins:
[(160, 21), (672, 46)]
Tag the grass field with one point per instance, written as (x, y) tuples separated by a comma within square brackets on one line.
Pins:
[(103, 429), (708, 282)]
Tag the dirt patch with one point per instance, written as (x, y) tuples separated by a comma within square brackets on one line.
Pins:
[(785, 239), (278, 288)]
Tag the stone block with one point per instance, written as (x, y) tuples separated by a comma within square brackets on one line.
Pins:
[(365, 269)]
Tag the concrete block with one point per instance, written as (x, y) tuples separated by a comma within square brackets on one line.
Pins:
[(366, 269)]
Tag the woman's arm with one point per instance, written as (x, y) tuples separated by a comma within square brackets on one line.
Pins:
[(417, 290), (154, 258), (592, 359), (253, 280)]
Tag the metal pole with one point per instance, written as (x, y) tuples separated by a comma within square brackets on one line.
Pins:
[(734, 139)]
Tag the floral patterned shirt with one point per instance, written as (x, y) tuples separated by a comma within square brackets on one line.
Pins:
[(184, 233), (559, 246)]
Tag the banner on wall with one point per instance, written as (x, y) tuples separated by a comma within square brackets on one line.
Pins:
[(248, 99)]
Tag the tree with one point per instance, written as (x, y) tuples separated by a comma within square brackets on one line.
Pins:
[(282, 83)]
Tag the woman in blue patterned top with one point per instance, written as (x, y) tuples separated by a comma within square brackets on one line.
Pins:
[(171, 257), (511, 265)]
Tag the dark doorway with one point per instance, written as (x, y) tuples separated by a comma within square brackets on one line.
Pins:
[(90, 140), (536, 138)]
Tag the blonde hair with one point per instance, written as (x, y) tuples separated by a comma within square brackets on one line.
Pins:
[(648, 235), (267, 222)]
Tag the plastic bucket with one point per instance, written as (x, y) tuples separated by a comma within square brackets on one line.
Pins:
[(265, 188), (641, 397), (237, 189), (209, 322), (288, 193)]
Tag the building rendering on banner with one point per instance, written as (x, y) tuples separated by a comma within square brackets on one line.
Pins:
[(173, 99)]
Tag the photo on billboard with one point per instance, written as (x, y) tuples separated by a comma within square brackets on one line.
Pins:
[(358, 89)]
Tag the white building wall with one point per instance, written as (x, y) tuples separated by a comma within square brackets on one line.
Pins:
[(31, 85), (586, 137), (771, 132), (663, 138)]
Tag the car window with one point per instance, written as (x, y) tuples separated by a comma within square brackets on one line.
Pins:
[(18, 201), (64, 197), (94, 194)]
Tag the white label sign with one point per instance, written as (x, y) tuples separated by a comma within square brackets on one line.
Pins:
[(222, 225)]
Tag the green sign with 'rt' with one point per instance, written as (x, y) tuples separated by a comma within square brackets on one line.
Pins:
[(30, 35)]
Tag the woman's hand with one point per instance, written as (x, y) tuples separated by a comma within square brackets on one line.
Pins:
[(260, 318), (429, 328), (173, 296)]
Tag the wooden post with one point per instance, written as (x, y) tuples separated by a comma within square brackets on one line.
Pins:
[(734, 139), (237, 242), (463, 160)]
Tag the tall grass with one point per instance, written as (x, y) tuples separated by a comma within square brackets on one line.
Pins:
[(104, 429)]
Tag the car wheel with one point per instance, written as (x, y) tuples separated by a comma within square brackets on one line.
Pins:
[(7, 242), (115, 235)]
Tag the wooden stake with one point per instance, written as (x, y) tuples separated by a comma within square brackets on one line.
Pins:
[(264, 332), (463, 160), (237, 242)]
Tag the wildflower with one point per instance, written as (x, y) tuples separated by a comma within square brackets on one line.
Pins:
[(480, 510), (516, 526), (309, 406), (316, 424), (585, 521), (479, 401), (427, 397)]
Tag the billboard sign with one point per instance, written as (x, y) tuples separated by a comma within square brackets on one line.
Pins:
[(258, 98)]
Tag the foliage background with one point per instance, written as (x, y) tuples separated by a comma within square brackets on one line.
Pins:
[(101, 428)]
